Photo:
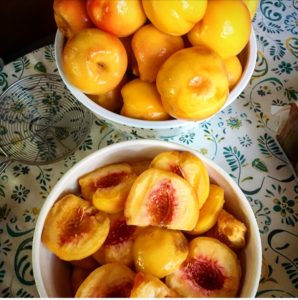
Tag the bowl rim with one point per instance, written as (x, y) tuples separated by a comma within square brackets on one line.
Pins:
[(159, 125), (60, 187)]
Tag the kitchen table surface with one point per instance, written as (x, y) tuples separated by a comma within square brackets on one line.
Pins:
[(241, 139)]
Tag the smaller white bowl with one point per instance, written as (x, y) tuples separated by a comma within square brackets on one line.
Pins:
[(156, 129), (52, 276)]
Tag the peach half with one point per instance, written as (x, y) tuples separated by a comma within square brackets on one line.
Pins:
[(108, 186), (162, 198), (118, 245), (229, 230), (110, 280), (74, 229), (189, 167), (159, 251), (148, 286), (212, 269), (210, 210)]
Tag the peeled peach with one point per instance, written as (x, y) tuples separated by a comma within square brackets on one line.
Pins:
[(210, 210), (225, 28), (94, 61), (142, 101), (118, 17), (159, 251), (151, 48), (212, 269), (71, 16), (189, 167), (148, 286), (174, 17), (118, 245), (108, 186), (113, 280), (252, 6), (162, 198), (193, 83), (234, 70), (229, 230), (74, 229)]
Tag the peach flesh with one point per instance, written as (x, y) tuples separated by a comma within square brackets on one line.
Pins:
[(119, 233), (77, 226), (110, 180), (161, 204), (204, 273)]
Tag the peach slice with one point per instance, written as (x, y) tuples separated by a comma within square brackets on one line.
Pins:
[(118, 245), (108, 186), (189, 167), (229, 230), (148, 286), (159, 251), (78, 275), (162, 198), (212, 269), (88, 263), (74, 229), (111, 280), (210, 210)]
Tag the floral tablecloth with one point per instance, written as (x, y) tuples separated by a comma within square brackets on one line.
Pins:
[(241, 139)]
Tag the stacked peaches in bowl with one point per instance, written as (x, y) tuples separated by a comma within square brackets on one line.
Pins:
[(156, 66), (146, 218)]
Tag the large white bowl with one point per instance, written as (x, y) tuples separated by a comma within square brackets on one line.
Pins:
[(156, 129), (52, 276)]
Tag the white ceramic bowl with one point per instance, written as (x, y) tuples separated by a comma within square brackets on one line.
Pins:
[(52, 276), (156, 129)]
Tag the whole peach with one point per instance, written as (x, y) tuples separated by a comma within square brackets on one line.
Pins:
[(71, 16), (94, 61), (119, 17)]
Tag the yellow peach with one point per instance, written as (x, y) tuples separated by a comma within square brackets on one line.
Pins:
[(225, 27), (210, 210), (151, 48), (193, 83), (158, 251), (94, 61), (174, 17), (118, 17), (162, 198), (189, 167), (252, 6), (74, 229), (234, 70), (142, 101), (211, 269)]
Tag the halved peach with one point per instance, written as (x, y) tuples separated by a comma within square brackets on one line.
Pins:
[(78, 275), (189, 167), (148, 286), (140, 166), (210, 210), (229, 230), (159, 251), (74, 229), (162, 198), (118, 245), (113, 280), (108, 186), (212, 269)]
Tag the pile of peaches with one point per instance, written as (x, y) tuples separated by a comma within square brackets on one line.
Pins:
[(152, 228), (155, 59)]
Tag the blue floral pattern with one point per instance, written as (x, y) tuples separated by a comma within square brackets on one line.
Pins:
[(240, 139)]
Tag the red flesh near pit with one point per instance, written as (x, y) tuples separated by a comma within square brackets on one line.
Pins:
[(205, 273), (162, 202), (177, 170), (110, 180)]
